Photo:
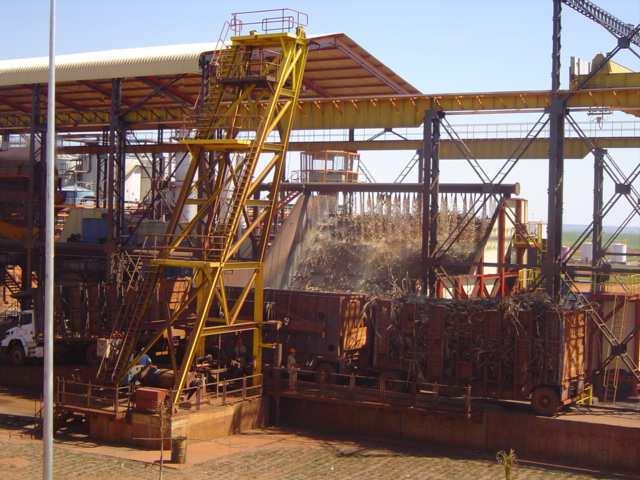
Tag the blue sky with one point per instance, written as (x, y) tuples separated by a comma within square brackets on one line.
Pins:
[(438, 46)]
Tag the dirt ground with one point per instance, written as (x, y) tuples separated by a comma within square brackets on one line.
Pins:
[(256, 455), (262, 455)]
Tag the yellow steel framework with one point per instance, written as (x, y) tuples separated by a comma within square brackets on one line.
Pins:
[(619, 92), (251, 96), (482, 148)]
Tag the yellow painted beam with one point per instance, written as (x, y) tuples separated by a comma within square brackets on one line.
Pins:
[(611, 80), (366, 112), (408, 111), (13, 232), (486, 149), (204, 265), (574, 148), (237, 327), (229, 144), (264, 40), (253, 202)]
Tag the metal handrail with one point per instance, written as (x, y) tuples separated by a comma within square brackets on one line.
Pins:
[(110, 399), (478, 131), (366, 388), (268, 21), (72, 393)]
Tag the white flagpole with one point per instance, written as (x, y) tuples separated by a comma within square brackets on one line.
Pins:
[(47, 431)]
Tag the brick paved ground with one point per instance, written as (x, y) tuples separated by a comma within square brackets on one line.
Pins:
[(288, 456)]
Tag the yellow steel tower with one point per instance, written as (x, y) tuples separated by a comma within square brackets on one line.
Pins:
[(252, 95)]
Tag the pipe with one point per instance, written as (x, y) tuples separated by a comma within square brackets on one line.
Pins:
[(322, 187), (47, 433)]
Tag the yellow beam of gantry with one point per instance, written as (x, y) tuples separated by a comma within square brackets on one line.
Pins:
[(408, 111), (392, 111), (482, 148)]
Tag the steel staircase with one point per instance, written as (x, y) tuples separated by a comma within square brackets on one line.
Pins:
[(129, 322), (9, 282)]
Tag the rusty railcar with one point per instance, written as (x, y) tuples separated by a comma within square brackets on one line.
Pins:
[(535, 352), (327, 330)]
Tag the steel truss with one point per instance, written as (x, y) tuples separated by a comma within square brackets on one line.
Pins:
[(555, 270), (433, 251), (252, 93)]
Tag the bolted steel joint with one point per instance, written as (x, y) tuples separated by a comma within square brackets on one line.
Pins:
[(619, 349), (624, 42)]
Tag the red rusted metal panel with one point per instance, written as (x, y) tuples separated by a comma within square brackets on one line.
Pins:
[(149, 399), (499, 354)]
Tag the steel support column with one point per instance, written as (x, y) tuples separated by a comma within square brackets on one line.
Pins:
[(430, 186), (553, 260), (121, 174), (598, 192), (157, 179), (102, 161), (36, 156), (116, 166)]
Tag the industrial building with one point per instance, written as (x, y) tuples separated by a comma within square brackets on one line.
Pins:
[(226, 260)]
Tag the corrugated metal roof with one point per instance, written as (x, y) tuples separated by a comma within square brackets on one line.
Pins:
[(124, 63), (163, 83)]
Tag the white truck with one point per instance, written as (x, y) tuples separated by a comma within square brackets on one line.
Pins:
[(18, 337), (22, 339)]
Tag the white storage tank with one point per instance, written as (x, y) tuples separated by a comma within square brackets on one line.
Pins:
[(618, 253), (585, 253), (537, 228)]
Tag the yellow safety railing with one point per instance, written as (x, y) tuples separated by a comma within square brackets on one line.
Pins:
[(528, 277), (586, 397)]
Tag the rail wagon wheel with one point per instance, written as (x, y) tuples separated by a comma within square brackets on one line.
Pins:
[(323, 373), (390, 381), (545, 401)]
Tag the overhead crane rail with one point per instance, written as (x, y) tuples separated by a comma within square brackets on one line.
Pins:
[(385, 111), (618, 132)]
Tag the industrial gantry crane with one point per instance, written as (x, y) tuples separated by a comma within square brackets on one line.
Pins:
[(250, 96)]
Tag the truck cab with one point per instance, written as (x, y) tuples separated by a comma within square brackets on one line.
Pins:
[(18, 337)]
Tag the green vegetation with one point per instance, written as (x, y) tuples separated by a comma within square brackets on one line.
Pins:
[(632, 239)]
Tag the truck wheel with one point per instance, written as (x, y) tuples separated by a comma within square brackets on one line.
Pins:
[(545, 401), (16, 354)]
